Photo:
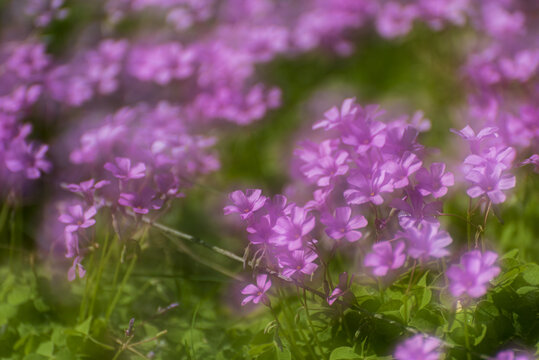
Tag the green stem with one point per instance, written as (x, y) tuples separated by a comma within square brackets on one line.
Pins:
[(120, 289), (315, 334), (82, 310), (468, 222), (466, 335), (290, 341), (289, 314), (105, 255)]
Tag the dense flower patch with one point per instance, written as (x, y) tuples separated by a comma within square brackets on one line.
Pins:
[(117, 116)]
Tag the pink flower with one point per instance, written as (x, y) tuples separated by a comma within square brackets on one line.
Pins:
[(426, 241), (343, 225), (124, 171), (385, 256), (434, 182), (257, 293), (75, 269), (76, 218), (246, 203), (419, 347), (472, 275)]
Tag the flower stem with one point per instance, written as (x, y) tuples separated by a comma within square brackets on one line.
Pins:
[(315, 334), (120, 288), (466, 335)]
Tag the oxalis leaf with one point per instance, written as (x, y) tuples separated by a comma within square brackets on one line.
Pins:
[(344, 353), (531, 274)]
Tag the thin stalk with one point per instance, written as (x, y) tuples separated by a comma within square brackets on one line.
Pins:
[(485, 225), (82, 309), (313, 330), (120, 289), (466, 335), (280, 326), (107, 251), (468, 222), (288, 311)]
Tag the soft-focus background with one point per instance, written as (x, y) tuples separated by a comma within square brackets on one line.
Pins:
[(192, 292)]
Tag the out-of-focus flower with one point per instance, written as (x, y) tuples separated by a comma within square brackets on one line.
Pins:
[(87, 188), (368, 189), (76, 218), (434, 182), (472, 275), (323, 162), (419, 347), (401, 169), (385, 256), (246, 203), (76, 269), (426, 241), (491, 181), (297, 261), (395, 20), (27, 158), (511, 355), (468, 134), (257, 292), (340, 290), (141, 201), (532, 160), (124, 171), (343, 225), (292, 230)]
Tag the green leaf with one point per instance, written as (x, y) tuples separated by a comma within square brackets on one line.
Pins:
[(84, 327), (283, 354), (7, 311), (19, 295), (344, 353), (480, 338), (45, 349), (531, 274)]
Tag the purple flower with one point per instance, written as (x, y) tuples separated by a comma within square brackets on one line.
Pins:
[(401, 170), (415, 210), (434, 182), (142, 201), (426, 241), (246, 203), (342, 225), (340, 290), (124, 171), (472, 275), (363, 135), (532, 160), (491, 181), (333, 117), (395, 20), (468, 134), (298, 261), (419, 347), (321, 163), (87, 188), (522, 67), (77, 218), (257, 293), (292, 230), (511, 355), (75, 269), (368, 189), (27, 158), (385, 256), (260, 231)]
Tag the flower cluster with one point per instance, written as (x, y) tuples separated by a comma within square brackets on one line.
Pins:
[(143, 157), (370, 184)]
